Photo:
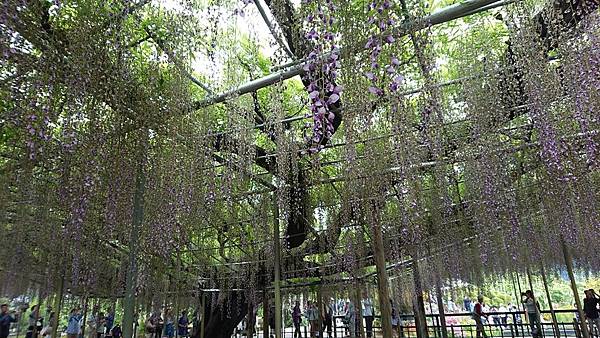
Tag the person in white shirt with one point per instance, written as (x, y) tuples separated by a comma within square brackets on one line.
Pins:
[(367, 312)]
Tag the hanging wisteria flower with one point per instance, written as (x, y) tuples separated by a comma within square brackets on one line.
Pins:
[(321, 72), (382, 22)]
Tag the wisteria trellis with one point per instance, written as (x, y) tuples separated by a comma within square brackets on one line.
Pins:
[(478, 135)]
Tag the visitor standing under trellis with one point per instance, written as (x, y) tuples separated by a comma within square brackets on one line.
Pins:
[(350, 318), (6, 318), (312, 314), (169, 324), (590, 308), (74, 323), (533, 308), (367, 312), (182, 325), (478, 315), (328, 322), (297, 319)]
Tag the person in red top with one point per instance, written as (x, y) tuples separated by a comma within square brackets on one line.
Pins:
[(477, 314)]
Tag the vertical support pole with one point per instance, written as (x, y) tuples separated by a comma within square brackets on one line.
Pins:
[(138, 218), (85, 311), (265, 314), (250, 319), (321, 309), (277, 264), (358, 307), (382, 275), (440, 303), (177, 290), (554, 320), (202, 314), (569, 262), (419, 305), (58, 305)]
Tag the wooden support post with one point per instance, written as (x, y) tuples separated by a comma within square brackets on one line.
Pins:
[(85, 311), (358, 307), (58, 305), (202, 314), (138, 218), (552, 313), (277, 267), (177, 290), (265, 314), (440, 303), (419, 305), (382, 276), (321, 309), (569, 262), (250, 318)]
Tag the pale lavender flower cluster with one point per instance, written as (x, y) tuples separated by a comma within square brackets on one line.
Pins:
[(321, 73), (382, 21)]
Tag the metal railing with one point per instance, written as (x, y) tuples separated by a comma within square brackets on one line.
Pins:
[(458, 325)]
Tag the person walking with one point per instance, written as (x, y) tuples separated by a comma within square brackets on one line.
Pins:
[(592, 314), (169, 330), (478, 316), (329, 318), (467, 304), (350, 318), (395, 319), (183, 325), (109, 320), (35, 323), (532, 307), (367, 312), (116, 331), (312, 315), (6, 318), (74, 323), (100, 325), (297, 319), (47, 330), (150, 325)]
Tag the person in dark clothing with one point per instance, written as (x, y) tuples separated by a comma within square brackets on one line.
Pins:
[(592, 314), (297, 319), (36, 323), (6, 318), (328, 320), (182, 325), (116, 331), (109, 320)]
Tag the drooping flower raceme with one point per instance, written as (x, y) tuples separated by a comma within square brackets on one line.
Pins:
[(321, 71)]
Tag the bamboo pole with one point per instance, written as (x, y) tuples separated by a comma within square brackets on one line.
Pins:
[(552, 313), (382, 275), (277, 267), (569, 262), (138, 218), (440, 303)]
